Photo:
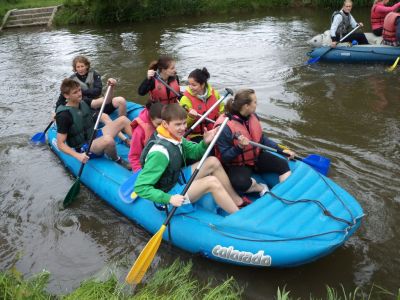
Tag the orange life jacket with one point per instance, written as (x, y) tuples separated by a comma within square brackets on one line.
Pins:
[(148, 128), (377, 18), (161, 94), (250, 129), (202, 107), (389, 27)]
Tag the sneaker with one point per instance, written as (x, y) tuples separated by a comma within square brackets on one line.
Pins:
[(246, 201), (264, 190), (124, 163)]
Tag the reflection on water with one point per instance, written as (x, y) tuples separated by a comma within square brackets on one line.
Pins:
[(349, 113)]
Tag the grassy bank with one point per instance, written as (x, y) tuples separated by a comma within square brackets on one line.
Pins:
[(6, 5), (174, 282), (118, 11)]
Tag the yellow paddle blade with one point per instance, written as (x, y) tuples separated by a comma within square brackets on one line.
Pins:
[(283, 147), (391, 68), (145, 258)]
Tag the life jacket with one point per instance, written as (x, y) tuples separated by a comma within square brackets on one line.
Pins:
[(389, 27), (148, 128), (250, 129), (202, 107), (82, 124), (377, 18), (176, 161), (88, 84), (345, 26), (162, 94)]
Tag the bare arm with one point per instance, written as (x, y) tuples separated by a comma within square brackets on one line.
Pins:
[(61, 138)]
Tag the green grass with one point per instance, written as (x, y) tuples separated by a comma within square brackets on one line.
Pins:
[(6, 5), (173, 282)]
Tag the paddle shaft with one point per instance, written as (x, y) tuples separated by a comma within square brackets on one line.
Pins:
[(228, 91), (96, 125), (48, 126), (158, 77), (273, 149), (192, 178), (314, 60)]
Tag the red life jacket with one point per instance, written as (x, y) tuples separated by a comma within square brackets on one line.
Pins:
[(148, 128), (201, 107), (389, 27), (250, 129), (161, 94), (377, 18)]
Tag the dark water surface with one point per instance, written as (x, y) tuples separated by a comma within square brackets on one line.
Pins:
[(349, 113)]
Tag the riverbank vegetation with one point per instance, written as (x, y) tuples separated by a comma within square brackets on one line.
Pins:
[(6, 5), (173, 282), (100, 11), (122, 11)]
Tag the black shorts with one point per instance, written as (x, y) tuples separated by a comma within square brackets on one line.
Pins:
[(240, 176)]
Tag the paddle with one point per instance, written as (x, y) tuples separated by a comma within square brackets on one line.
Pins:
[(391, 68), (40, 137), (316, 59), (189, 131), (75, 188), (158, 77), (319, 163), (145, 258)]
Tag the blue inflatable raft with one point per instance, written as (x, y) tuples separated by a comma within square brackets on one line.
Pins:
[(302, 219), (357, 54)]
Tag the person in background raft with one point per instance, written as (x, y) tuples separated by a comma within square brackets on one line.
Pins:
[(165, 66), (75, 126), (342, 22), (197, 99), (391, 29), (165, 174), (378, 13), (143, 128), (91, 86), (239, 158)]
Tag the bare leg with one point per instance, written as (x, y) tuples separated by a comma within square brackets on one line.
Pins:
[(212, 166), (284, 176), (211, 184), (105, 144), (106, 120), (255, 187), (120, 103), (121, 123)]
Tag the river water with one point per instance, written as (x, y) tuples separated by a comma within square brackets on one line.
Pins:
[(349, 113)]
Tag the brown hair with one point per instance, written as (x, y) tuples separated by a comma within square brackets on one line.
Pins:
[(68, 85), (161, 64), (154, 109), (172, 112), (80, 59), (200, 76), (242, 97)]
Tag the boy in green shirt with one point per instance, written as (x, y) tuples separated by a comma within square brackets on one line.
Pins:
[(164, 171)]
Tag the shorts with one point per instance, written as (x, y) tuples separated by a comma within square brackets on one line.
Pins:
[(99, 133)]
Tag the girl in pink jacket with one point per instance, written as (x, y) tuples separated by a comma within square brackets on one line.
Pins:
[(142, 129)]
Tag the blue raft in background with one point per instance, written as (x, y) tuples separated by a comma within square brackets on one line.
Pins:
[(302, 219)]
